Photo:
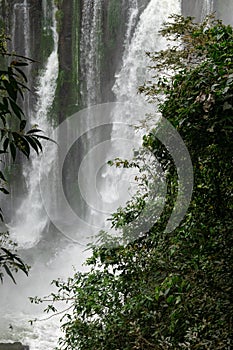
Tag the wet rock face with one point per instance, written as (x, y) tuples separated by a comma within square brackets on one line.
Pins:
[(192, 8), (13, 346)]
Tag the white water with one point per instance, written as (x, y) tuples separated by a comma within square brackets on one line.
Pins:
[(28, 232), (30, 220), (115, 186), (146, 39), (21, 17), (132, 18), (134, 72), (21, 44), (89, 51), (208, 8)]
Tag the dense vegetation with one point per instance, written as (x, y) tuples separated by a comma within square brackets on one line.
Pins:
[(13, 138), (169, 290)]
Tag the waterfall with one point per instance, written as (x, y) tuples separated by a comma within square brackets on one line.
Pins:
[(145, 39), (21, 24), (207, 8), (132, 18), (30, 220), (22, 43), (133, 72), (113, 184), (106, 199), (90, 42)]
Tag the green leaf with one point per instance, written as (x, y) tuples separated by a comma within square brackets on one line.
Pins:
[(3, 133), (13, 150), (21, 73), (22, 125), (33, 143), (45, 138), (19, 64), (17, 110), (8, 271), (170, 299), (12, 92), (2, 189), (32, 131), (37, 142), (21, 143), (5, 144)]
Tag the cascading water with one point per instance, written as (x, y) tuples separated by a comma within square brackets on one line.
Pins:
[(109, 186), (207, 8), (21, 43), (21, 11), (132, 18), (146, 39), (133, 72), (30, 219), (90, 51)]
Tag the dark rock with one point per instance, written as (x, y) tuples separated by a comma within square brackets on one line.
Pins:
[(13, 346)]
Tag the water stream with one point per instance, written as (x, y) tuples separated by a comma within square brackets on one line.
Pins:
[(207, 8), (90, 51), (27, 232)]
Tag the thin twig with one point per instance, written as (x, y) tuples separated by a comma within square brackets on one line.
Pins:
[(51, 316)]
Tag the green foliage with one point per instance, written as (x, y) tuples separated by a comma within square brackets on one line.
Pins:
[(59, 19), (169, 290), (14, 137), (9, 261), (13, 123), (58, 3)]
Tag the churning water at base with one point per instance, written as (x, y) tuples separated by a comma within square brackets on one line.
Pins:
[(16, 309)]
